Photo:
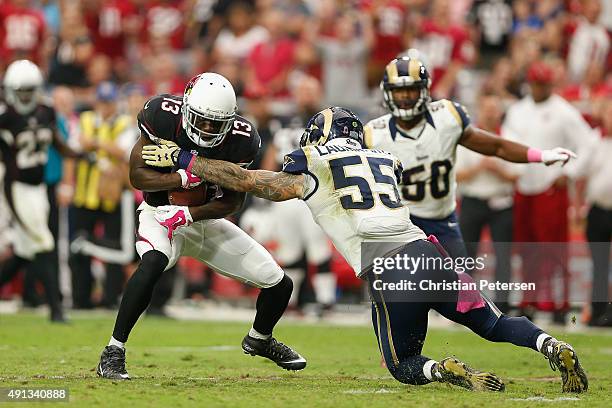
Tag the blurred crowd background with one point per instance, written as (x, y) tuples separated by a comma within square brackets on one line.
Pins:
[(287, 59)]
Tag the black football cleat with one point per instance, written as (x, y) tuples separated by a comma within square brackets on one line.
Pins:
[(562, 356), (112, 364), (452, 371), (274, 350)]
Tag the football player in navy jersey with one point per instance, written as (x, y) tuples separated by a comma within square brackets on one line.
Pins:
[(27, 129), (203, 121)]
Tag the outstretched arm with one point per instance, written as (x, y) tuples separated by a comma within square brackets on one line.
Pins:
[(274, 186), (489, 144)]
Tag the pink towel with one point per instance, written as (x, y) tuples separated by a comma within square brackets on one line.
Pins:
[(467, 299)]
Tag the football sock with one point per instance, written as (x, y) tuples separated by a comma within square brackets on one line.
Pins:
[(257, 335), (428, 369), (138, 292), (541, 340), (47, 272), (271, 304), (114, 342)]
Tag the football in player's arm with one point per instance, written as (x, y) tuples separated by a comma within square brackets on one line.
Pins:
[(145, 178)]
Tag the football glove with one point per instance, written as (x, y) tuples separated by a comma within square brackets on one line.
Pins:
[(164, 154), (558, 154), (173, 217), (167, 154)]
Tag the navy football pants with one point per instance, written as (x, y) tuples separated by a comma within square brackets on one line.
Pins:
[(400, 320)]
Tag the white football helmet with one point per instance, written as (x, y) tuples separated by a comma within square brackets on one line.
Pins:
[(209, 109), (23, 83)]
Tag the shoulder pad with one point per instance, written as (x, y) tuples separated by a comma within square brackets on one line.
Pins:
[(295, 162), (378, 123), (458, 112), (160, 117)]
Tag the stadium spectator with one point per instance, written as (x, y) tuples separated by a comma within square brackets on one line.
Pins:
[(544, 120), (590, 42), (163, 76), (492, 23), (241, 34), (23, 33), (106, 21), (73, 50), (270, 61), (97, 198), (486, 186), (166, 18), (390, 22), (525, 17), (447, 46), (344, 60), (597, 167)]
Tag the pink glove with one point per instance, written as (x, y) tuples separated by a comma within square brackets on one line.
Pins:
[(173, 217), (188, 179)]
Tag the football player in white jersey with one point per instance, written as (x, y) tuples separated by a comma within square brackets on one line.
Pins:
[(424, 136), (352, 193)]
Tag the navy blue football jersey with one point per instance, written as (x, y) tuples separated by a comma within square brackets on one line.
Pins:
[(24, 142), (161, 118)]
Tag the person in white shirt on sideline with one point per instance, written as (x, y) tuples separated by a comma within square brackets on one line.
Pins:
[(596, 166), (543, 119), (486, 186)]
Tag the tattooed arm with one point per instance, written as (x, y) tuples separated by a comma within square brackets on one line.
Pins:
[(275, 186)]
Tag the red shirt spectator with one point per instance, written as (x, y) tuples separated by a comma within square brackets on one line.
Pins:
[(22, 32), (166, 18), (444, 45), (270, 61), (105, 24), (390, 20)]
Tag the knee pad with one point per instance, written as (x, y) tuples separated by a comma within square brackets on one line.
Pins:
[(269, 274), (284, 286)]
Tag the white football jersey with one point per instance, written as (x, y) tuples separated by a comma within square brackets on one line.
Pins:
[(427, 153), (353, 195)]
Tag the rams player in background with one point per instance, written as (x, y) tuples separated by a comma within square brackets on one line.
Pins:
[(352, 193), (424, 136)]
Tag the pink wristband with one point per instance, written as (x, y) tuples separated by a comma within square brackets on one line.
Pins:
[(534, 155)]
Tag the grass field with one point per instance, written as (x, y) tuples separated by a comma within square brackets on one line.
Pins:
[(179, 364)]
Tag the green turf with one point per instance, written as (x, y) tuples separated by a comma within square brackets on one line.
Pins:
[(179, 364)]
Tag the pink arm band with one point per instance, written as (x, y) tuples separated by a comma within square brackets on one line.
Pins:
[(534, 155)]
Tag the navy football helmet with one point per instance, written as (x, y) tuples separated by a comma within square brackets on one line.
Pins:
[(332, 123), (406, 72)]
